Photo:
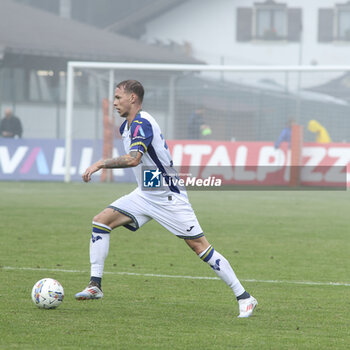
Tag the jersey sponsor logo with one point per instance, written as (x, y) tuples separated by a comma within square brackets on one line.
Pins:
[(138, 130), (152, 178)]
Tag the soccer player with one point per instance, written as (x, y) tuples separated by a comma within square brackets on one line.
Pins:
[(144, 143)]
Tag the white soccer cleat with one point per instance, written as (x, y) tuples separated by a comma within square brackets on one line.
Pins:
[(247, 306), (92, 291)]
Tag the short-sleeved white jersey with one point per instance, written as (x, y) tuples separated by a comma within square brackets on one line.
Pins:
[(144, 135)]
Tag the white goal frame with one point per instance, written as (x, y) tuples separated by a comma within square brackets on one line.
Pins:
[(72, 65)]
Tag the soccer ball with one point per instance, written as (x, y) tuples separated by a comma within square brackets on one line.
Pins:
[(47, 293)]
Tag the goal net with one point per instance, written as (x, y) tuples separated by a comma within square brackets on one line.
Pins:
[(235, 103)]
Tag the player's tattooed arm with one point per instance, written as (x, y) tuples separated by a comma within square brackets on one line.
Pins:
[(126, 161)]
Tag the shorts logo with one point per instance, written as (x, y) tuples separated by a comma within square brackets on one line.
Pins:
[(152, 178)]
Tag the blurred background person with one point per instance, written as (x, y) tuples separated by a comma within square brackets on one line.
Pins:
[(286, 134), (10, 125), (321, 132), (196, 127)]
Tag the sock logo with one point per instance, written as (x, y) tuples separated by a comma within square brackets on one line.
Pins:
[(216, 266), (95, 238)]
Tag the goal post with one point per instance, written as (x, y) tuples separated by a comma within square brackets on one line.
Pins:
[(287, 76)]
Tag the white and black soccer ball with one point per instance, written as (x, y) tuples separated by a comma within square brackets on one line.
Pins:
[(47, 293)]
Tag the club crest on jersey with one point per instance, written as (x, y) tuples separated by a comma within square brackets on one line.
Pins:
[(152, 178)]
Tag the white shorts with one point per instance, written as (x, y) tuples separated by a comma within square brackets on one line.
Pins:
[(174, 212)]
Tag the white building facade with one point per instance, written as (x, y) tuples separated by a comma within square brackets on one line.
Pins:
[(248, 32)]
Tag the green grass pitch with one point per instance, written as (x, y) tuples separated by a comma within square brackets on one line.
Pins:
[(274, 240)]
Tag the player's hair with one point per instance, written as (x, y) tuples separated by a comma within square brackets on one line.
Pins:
[(133, 86)]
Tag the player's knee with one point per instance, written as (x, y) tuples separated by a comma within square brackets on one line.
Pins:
[(102, 218), (198, 245), (97, 218)]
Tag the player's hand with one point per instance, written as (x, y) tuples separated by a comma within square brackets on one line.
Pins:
[(90, 170)]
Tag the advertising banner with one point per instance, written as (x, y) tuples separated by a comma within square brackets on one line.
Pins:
[(259, 163), (234, 163), (44, 160)]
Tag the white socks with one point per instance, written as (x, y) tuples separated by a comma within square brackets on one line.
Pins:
[(223, 269), (99, 246)]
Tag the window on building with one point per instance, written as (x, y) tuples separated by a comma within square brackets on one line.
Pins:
[(268, 21), (334, 23), (343, 23), (19, 85), (42, 85)]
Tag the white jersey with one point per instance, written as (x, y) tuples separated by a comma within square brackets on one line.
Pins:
[(144, 135), (168, 204)]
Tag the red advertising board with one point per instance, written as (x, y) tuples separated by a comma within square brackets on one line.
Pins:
[(259, 163), (236, 163)]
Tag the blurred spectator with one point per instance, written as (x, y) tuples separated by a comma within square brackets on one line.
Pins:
[(286, 134), (322, 135), (10, 125), (196, 127)]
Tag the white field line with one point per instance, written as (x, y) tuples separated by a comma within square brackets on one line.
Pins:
[(308, 283)]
